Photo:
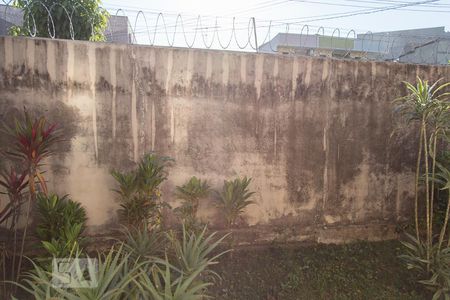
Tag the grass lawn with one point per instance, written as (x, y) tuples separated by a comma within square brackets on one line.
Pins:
[(354, 271)]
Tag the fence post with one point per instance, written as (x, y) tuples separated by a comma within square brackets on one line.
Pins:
[(256, 37)]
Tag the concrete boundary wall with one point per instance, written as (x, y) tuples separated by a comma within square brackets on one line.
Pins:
[(314, 134)]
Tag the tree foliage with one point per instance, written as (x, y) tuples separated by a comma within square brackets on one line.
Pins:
[(62, 19)]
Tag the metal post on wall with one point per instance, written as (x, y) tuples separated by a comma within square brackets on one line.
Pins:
[(256, 37)]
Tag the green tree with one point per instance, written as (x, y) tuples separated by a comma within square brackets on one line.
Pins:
[(62, 19)]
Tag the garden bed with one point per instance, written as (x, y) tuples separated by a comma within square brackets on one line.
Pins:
[(360, 270)]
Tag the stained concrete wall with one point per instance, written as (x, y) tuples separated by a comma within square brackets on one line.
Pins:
[(313, 133)]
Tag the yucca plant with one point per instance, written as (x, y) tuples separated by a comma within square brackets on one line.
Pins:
[(443, 179), (191, 193), (438, 278), (425, 105), (234, 198), (139, 192), (32, 141), (439, 282)]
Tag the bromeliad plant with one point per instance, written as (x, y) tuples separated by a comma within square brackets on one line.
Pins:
[(192, 251), (139, 192), (123, 273), (142, 243), (191, 193), (32, 141), (234, 198), (109, 277)]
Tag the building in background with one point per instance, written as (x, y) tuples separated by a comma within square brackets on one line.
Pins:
[(313, 45), (117, 30), (423, 46)]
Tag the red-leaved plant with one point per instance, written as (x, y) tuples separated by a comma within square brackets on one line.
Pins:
[(15, 183), (32, 141)]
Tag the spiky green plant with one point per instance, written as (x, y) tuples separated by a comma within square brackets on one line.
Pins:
[(15, 184), (437, 279), (425, 104), (151, 172), (137, 211), (142, 243), (188, 276), (166, 282), (37, 282), (443, 179), (191, 193), (139, 192), (55, 214), (234, 198), (111, 277), (127, 183), (193, 251)]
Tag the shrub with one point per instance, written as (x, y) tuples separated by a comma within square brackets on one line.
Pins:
[(191, 193), (139, 192), (60, 224), (234, 198)]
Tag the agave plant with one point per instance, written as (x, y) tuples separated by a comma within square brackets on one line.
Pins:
[(193, 251), (142, 243), (188, 276), (191, 193), (166, 282), (109, 277), (38, 283), (139, 192), (234, 198)]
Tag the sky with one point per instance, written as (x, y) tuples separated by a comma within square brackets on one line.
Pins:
[(336, 17)]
